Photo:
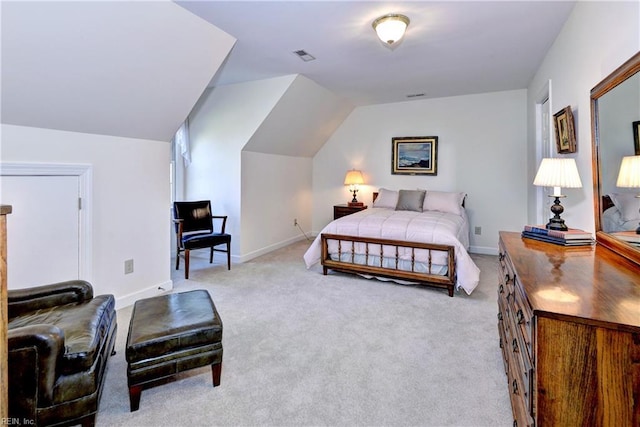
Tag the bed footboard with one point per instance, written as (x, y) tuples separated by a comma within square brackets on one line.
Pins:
[(347, 245)]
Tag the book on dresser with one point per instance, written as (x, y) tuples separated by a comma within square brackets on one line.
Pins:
[(571, 237), (628, 236)]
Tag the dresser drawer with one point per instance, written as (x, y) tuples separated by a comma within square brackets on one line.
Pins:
[(523, 316)]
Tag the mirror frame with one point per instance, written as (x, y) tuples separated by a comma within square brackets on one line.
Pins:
[(621, 74)]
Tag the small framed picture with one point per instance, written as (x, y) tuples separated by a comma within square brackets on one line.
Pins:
[(636, 137), (565, 133), (414, 155)]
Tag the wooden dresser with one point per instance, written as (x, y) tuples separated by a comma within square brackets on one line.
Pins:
[(569, 325), (4, 354)]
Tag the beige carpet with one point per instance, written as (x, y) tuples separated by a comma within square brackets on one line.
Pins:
[(303, 349)]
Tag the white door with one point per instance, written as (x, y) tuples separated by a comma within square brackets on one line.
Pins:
[(43, 230)]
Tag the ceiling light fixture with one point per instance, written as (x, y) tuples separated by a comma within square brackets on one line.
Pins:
[(390, 28)]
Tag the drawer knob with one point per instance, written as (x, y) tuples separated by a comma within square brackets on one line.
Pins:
[(501, 256), (520, 316), (514, 344), (514, 386), (501, 289), (500, 316), (507, 278)]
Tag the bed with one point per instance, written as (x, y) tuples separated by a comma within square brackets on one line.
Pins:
[(409, 240), (620, 212)]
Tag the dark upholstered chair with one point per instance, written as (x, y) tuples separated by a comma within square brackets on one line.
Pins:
[(60, 339), (195, 230)]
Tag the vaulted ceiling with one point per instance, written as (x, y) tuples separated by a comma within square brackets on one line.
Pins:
[(450, 48), (137, 68), (131, 69)]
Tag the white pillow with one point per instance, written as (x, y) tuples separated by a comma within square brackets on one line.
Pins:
[(444, 201), (386, 199), (628, 205)]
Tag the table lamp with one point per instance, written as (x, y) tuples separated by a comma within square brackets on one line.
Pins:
[(353, 179), (557, 173)]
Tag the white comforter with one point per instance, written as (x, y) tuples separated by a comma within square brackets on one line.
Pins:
[(425, 227)]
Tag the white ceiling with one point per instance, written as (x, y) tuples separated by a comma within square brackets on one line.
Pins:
[(451, 47), (105, 67)]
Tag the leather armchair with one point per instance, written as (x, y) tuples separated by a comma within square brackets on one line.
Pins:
[(60, 338)]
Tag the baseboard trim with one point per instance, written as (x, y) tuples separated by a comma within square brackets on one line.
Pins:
[(266, 249), (483, 250), (130, 299)]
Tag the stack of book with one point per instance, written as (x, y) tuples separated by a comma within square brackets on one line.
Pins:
[(571, 237)]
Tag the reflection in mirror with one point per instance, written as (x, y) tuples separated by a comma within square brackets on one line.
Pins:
[(615, 106), (618, 109)]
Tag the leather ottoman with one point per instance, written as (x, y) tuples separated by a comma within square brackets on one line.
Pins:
[(170, 334)]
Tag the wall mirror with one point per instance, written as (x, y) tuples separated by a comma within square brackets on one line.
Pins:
[(615, 106)]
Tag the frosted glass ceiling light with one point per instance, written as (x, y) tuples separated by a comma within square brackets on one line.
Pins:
[(390, 28)]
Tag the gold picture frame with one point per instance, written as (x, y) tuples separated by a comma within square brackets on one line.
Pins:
[(565, 132), (414, 155)]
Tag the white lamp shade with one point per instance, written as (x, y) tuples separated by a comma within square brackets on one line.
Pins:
[(558, 173), (629, 175), (391, 28), (353, 177)]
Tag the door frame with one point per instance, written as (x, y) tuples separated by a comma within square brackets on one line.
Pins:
[(542, 200), (84, 172)]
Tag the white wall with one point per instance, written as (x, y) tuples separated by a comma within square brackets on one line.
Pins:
[(597, 38), (252, 145), (220, 125), (275, 190), (131, 201), (481, 151)]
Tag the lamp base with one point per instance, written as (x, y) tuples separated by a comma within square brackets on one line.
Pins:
[(355, 204), (556, 223)]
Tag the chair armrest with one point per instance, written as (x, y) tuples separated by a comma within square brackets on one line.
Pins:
[(34, 352), (20, 301), (224, 221)]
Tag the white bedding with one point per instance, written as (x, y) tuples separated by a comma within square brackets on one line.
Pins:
[(425, 227)]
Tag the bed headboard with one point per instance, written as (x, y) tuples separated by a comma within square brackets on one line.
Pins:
[(606, 202)]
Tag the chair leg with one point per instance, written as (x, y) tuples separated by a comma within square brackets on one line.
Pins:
[(211, 256), (178, 259), (216, 370), (186, 263), (228, 256)]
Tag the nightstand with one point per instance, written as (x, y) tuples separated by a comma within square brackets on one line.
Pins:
[(343, 210)]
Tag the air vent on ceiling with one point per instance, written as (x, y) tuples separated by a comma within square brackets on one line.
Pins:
[(302, 54), (415, 95)]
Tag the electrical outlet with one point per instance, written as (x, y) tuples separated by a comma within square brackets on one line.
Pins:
[(128, 266), (295, 222), (478, 230)]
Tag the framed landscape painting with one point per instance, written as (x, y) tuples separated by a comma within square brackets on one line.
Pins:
[(414, 155)]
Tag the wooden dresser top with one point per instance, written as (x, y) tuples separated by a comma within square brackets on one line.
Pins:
[(591, 285)]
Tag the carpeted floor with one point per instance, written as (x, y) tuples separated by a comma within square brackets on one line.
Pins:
[(303, 349)]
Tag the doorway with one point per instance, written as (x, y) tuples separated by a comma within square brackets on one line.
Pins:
[(48, 236)]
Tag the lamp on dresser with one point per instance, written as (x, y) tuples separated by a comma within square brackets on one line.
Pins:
[(353, 179), (629, 176), (557, 173)]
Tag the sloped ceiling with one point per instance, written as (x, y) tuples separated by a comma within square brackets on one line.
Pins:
[(301, 121), (451, 47), (130, 69)]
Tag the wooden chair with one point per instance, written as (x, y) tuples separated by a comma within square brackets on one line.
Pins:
[(195, 230)]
